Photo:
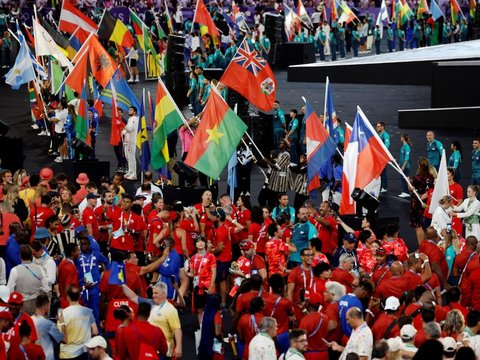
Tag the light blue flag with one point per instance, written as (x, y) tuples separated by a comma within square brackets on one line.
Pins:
[(22, 71), (125, 95), (436, 11), (232, 174)]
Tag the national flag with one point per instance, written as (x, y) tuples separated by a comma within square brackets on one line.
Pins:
[(117, 123), (117, 271), (232, 25), (125, 96), (422, 8), (403, 12), (473, 6), (101, 63), (46, 46), (56, 76), (81, 124), (115, 30), (151, 106), (205, 22), (365, 157), (37, 108), (76, 78), (436, 11), (31, 40), (142, 137), (330, 115), (216, 138), (71, 18), (23, 70), (382, 16), (292, 21), (346, 14), (303, 14), (73, 45), (161, 33), (333, 12), (59, 39), (169, 18), (251, 76), (143, 37), (455, 11), (347, 205), (320, 146), (167, 119), (441, 184)]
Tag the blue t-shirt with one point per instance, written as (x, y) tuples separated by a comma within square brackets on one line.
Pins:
[(346, 302), (170, 267), (337, 175)]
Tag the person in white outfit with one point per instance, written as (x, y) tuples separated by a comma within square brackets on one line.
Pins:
[(441, 218), (469, 211), (129, 134)]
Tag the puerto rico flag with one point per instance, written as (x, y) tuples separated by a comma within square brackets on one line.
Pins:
[(250, 75), (320, 146)]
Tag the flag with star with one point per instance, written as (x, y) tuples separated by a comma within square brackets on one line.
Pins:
[(250, 75), (216, 138)]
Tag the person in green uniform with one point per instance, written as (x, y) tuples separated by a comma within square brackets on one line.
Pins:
[(401, 39), (455, 159), (389, 38), (292, 136), (446, 32), (428, 35), (192, 91), (355, 41), (206, 92), (434, 150), (230, 52), (341, 39), (404, 163), (475, 162), (297, 37), (385, 136), (218, 57), (333, 43), (321, 40), (279, 124), (377, 35), (265, 46), (464, 30)]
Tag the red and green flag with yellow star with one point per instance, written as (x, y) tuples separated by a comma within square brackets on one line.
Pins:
[(216, 138)]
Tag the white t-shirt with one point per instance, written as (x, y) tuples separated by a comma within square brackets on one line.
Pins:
[(61, 115)]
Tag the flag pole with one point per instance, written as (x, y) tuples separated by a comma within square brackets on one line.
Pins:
[(327, 84)]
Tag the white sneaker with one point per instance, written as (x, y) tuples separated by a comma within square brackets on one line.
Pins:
[(133, 177), (403, 195), (130, 80), (383, 190), (42, 133), (35, 126), (58, 159), (137, 79)]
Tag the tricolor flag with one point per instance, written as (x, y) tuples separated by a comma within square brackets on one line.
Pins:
[(333, 12), (71, 18), (365, 157), (216, 138), (169, 18), (347, 205), (205, 22), (455, 11), (142, 137), (422, 8), (81, 124), (250, 75), (403, 12), (382, 16), (346, 14), (143, 37), (473, 6), (115, 30), (320, 146), (167, 119)]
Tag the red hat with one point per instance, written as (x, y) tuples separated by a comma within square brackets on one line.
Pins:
[(246, 245), (15, 298), (315, 299), (46, 174), (82, 179), (5, 315)]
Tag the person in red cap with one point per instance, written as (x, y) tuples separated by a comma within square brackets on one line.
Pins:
[(46, 174), (82, 180), (315, 323), (15, 303), (257, 264)]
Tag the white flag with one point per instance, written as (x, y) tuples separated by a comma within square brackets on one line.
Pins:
[(441, 186), (45, 46)]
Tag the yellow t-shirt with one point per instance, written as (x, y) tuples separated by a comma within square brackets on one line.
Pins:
[(165, 317)]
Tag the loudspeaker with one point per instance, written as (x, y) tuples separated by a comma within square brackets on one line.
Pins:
[(365, 200), (95, 169), (11, 153), (176, 53), (233, 98), (3, 128), (297, 53), (262, 132), (274, 28), (213, 73), (176, 84)]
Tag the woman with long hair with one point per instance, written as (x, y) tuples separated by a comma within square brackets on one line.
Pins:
[(455, 159), (421, 182), (469, 211), (243, 216), (405, 163), (39, 192), (13, 198), (66, 197), (19, 175), (454, 323), (451, 245)]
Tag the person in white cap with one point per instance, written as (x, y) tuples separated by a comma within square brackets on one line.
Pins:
[(449, 347), (386, 325), (407, 334), (96, 347)]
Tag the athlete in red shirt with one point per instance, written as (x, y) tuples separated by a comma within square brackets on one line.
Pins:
[(435, 255), (104, 215), (203, 209), (39, 214), (386, 325), (465, 263), (89, 218), (276, 251), (394, 244), (343, 274), (418, 272), (396, 284), (248, 325), (278, 306), (301, 279), (15, 303), (327, 228), (315, 324), (68, 273), (126, 228), (380, 271)]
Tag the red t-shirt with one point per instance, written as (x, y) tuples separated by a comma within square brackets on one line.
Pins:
[(38, 216), (204, 219), (465, 260), (303, 279), (365, 258), (396, 247), (380, 273), (242, 217), (382, 322), (244, 300), (328, 235), (202, 266), (8, 218), (104, 218), (435, 255), (13, 334), (155, 227), (315, 324), (276, 252), (128, 222), (137, 333), (280, 309), (89, 217), (224, 235), (456, 191), (286, 233), (248, 328), (395, 286), (343, 277), (412, 279), (475, 280), (67, 275), (254, 231), (318, 258), (189, 227), (332, 313), (141, 229)]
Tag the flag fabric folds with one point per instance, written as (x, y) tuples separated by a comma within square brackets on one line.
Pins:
[(142, 137), (45, 45), (347, 205), (441, 184), (124, 94), (71, 18), (330, 113), (22, 71), (117, 272), (320, 146), (117, 123), (216, 138), (115, 30), (382, 16), (56, 76), (167, 119), (346, 14), (422, 8), (251, 76), (303, 15), (205, 22), (472, 6), (455, 11), (436, 11), (365, 157), (81, 124)]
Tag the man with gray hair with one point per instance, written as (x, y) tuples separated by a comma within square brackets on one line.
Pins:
[(432, 330), (163, 315), (262, 346)]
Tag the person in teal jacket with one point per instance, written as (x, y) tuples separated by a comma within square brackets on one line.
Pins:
[(475, 162), (321, 40), (389, 38), (405, 163), (434, 150), (401, 39), (333, 43), (455, 159)]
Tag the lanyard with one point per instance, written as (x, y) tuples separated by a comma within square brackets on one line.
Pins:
[(199, 268), (383, 275), (254, 323), (317, 328), (275, 305), (83, 258), (305, 279), (420, 276), (125, 226), (31, 272), (465, 267)]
